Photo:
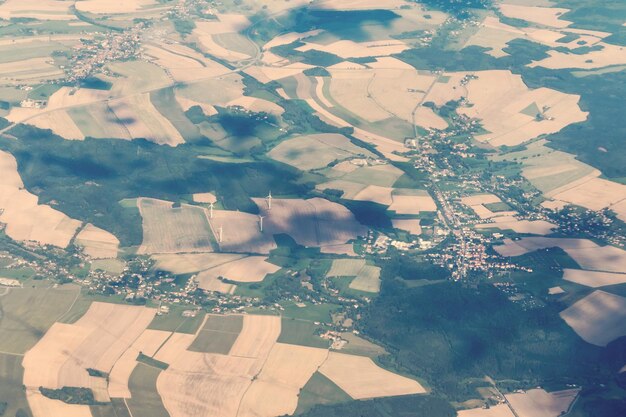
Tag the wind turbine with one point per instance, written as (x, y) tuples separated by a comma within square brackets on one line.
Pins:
[(221, 234), (261, 222), (211, 210), (269, 201)]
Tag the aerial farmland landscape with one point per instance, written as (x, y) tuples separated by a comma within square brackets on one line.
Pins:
[(315, 208)]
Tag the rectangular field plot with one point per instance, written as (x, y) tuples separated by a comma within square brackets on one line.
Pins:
[(168, 229), (218, 334)]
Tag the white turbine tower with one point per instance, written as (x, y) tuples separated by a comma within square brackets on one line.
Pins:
[(261, 222), (211, 210), (221, 234), (269, 201)]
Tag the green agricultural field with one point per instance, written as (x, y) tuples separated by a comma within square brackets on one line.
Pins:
[(358, 346), (98, 121), (26, 314), (166, 104), (12, 391), (113, 266), (346, 267), (36, 49), (316, 151), (218, 334), (311, 312), (82, 304), (299, 332), (381, 175), (145, 401), (17, 273), (175, 322), (320, 390), (235, 42)]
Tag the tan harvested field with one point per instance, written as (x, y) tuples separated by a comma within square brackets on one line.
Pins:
[(147, 343), (186, 104), (500, 410), (60, 123), (97, 243), (408, 225), (275, 390), (185, 263), (350, 189), (599, 318), (257, 105), (403, 203), (134, 77), (351, 49), (545, 16), (29, 69), (288, 38), (175, 347), (480, 199), (316, 151), (143, 120), (502, 101), (608, 55), (593, 279), (36, 9), (97, 340), (376, 194), (361, 378), (183, 63), (594, 193), (25, 219), (381, 175), (240, 232), (170, 230), (367, 280), (213, 385), (206, 33), (204, 198), (269, 73), (248, 269), (346, 267), (41, 406), (534, 227), (113, 6), (312, 222), (585, 252), (539, 403)]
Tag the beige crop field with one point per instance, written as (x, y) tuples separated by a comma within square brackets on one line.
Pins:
[(36, 9), (183, 63), (97, 243), (594, 193), (408, 225), (206, 198), (312, 222), (381, 175), (608, 55), (206, 34), (546, 16), (42, 406), (316, 151), (185, 263), (346, 267), (97, 121), (136, 77), (257, 105), (360, 4), (97, 340), (350, 189), (535, 227), (60, 122), (29, 69), (269, 73), (240, 232), (539, 403), (351, 49), (585, 252), (367, 280), (248, 269), (147, 343), (412, 201), (113, 6), (376, 194), (361, 378), (275, 390), (599, 318), (175, 347), (500, 410), (593, 279), (500, 99), (170, 230), (25, 218), (143, 120), (205, 384), (288, 38)]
